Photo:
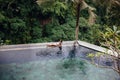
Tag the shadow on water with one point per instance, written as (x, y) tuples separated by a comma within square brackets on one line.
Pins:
[(71, 64), (72, 53)]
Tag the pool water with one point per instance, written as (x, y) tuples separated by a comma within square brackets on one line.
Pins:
[(56, 69)]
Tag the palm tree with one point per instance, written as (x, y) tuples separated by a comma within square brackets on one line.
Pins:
[(80, 5)]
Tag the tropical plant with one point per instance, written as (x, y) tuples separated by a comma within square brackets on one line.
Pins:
[(112, 41)]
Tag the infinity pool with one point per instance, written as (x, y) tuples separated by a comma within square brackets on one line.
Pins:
[(50, 64)]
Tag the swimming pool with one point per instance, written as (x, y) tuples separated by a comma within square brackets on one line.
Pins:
[(48, 64)]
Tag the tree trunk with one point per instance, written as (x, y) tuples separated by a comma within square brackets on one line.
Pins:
[(77, 22)]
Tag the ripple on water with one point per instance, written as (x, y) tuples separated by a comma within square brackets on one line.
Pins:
[(56, 69)]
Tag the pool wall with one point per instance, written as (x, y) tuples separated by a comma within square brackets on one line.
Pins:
[(31, 52)]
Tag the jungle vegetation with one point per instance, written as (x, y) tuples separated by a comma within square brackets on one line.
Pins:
[(33, 21)]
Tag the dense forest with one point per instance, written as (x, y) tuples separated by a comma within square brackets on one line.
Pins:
[(32, 21)]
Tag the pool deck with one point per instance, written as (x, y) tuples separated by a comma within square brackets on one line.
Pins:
[(44, 45)]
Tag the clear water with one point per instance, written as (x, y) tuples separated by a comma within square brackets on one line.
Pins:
[(55, 69)]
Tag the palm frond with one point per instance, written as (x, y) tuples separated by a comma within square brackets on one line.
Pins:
[(92, 17), (85, 5)]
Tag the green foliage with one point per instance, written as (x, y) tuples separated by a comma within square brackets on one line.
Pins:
[(54, 7), (17, 24), (1, 42), (87, 32), (65, 32), (18, 21), (83, 22), (24, 21), (91, 55), (111, 38), (36, 32), (1, 34), (7, 42), (2, 17)]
